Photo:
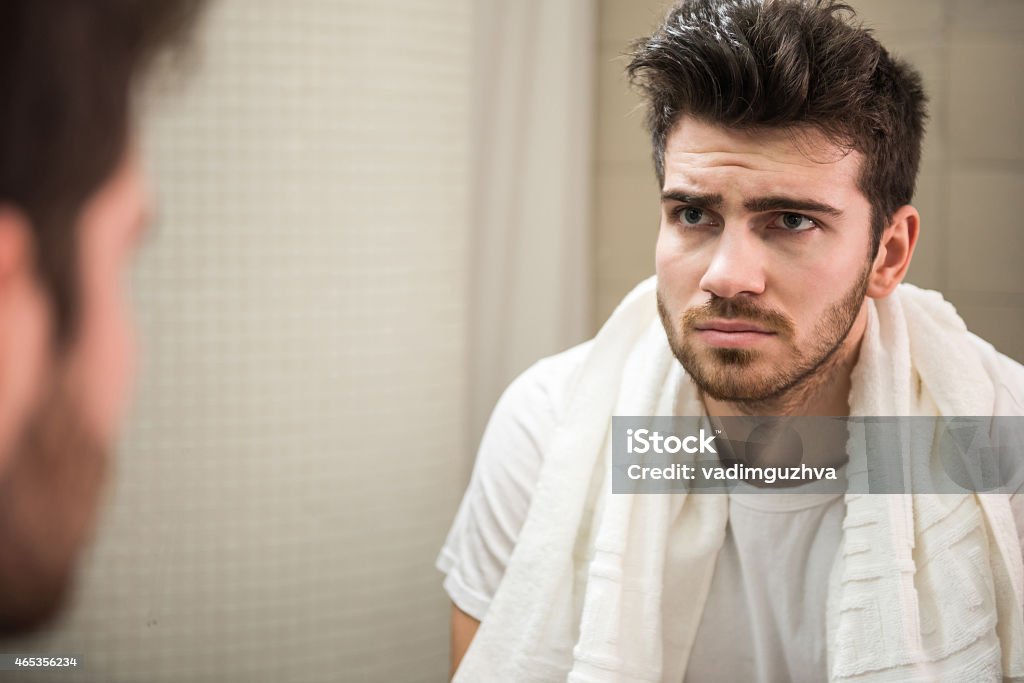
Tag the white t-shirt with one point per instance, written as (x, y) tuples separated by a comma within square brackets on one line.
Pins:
[(764, 620)]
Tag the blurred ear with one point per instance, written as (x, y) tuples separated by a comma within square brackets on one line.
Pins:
[(894, 252), (24, 328)]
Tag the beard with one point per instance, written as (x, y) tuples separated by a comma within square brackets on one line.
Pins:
[(728, 374), (48, 501)]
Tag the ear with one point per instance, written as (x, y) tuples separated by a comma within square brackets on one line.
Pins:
[(25, 328), (895, 250)]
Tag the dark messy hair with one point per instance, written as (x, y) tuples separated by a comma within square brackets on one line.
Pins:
[(789, 64), (67, 71)]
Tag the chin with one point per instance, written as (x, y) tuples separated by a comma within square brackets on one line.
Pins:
[(37, 604), (733, 375), (50, 495)]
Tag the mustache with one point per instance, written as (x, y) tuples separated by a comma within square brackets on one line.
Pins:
[(739, 309)]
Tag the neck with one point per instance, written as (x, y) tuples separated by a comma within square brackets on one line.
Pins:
[(824, 392)]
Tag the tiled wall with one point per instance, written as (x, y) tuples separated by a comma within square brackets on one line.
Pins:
[(970, 190)]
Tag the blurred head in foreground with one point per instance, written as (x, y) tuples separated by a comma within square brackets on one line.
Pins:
[(73, 203)]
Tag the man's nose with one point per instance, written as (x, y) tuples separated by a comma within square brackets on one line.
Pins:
[(737, 265)]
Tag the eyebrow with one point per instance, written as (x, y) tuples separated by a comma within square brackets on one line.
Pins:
[(704, 201), (756, 204), (778, 203)]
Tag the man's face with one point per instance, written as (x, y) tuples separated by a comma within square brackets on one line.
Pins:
[(53, 464), (762, 256)]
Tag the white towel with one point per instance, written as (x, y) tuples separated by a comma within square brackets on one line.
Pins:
[(604, 587)]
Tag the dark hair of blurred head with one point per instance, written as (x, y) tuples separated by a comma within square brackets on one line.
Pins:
[(788, 64), (67, 74)]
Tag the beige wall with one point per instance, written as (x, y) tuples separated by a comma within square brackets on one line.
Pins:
[(970, 190)]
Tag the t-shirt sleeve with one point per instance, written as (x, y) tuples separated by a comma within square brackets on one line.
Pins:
[(494, 507)]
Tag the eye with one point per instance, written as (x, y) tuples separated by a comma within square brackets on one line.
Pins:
[(690, 215), (793, 222)]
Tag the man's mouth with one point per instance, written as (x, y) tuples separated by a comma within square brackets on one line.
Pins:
[(732, 333)]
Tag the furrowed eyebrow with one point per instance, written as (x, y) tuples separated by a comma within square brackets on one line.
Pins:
[(757, 204), (779, 203), (704, 201)]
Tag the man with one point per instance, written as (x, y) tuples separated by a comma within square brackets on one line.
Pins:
[(786, 144), (73, 206)]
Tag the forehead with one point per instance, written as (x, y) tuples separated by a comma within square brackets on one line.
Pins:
[(709, 157)]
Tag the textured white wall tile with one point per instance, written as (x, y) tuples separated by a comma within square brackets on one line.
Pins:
[(985, 238), (621, 137), (621, 21), (987, 17), (886, 16), (986, 99), (927, 269), (628, 215)]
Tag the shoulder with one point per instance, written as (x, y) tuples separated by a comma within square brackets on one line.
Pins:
[(1007, 376), (508, 463), (544, 386), (525, 416)]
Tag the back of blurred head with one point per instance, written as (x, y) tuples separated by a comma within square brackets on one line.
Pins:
[(72, 204)]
